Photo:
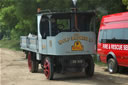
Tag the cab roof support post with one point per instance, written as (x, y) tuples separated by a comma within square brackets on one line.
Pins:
[(94, 24), (50, 25)]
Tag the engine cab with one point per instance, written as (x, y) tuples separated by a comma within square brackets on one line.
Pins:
[(66, 30)]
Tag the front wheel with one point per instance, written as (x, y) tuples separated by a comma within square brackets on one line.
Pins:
[(32, 62), (112, 66), (89, 70), (48, 68)]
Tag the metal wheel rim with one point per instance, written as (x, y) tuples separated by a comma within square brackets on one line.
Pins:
[(110, 66)]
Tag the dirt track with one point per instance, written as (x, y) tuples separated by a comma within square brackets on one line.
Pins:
[(14, 71)]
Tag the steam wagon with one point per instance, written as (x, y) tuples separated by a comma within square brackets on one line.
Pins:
[(65, 42)]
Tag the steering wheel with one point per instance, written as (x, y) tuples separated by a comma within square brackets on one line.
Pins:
[(75, 30), (60, 26)]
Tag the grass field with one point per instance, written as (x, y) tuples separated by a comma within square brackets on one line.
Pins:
[(98, 62), (11, 44)]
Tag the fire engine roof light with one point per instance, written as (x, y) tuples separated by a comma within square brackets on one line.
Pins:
[(74, 2)]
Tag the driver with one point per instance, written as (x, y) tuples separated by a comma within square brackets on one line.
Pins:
[(54, 27)]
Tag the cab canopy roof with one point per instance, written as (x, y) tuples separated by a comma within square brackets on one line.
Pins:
[(66, 14)]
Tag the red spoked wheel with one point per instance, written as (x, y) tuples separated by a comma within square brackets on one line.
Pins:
[(32, 62), (29, 62), (48, 68)]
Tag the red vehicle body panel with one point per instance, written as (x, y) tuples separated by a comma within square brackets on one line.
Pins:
[(120, 50)]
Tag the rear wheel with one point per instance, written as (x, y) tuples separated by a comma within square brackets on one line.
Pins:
[(89, 70), (32, 62), (48, 68), (112, 66)]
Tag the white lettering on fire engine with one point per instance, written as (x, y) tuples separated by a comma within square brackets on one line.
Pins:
[(125, 47), (115, 47)]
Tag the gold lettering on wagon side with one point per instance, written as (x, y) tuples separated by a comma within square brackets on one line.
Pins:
[(75, 37)]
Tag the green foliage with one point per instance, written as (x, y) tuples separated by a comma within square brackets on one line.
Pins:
[(26, 9), (8, 19), (18, 17), (125, 2), (97, 62)]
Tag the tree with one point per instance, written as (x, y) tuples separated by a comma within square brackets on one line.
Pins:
[(125, 2), (7, 17), (18, 17)]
